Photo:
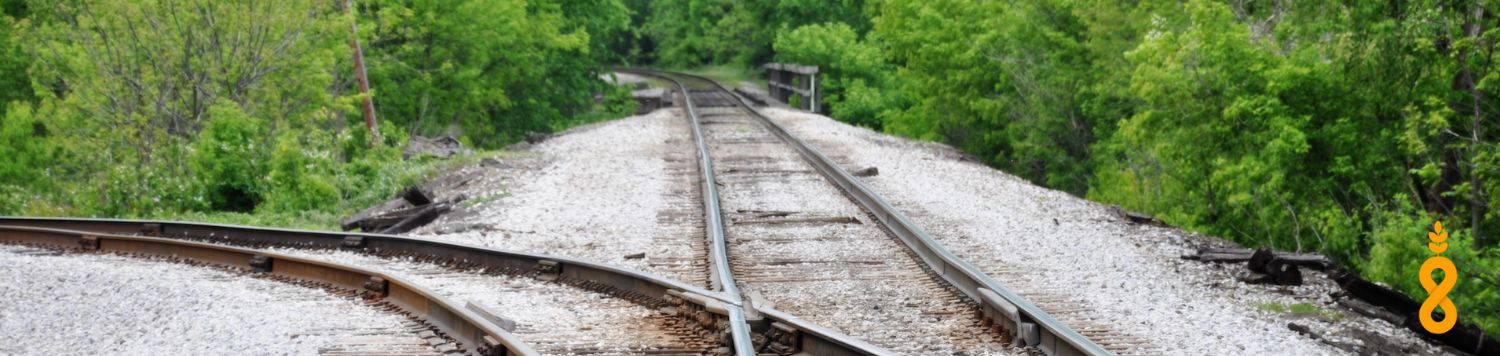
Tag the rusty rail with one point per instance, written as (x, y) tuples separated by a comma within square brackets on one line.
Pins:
[(474, 334)]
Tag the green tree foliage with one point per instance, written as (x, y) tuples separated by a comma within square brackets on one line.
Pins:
[(131, 84), (1336, 127), (15, 84), (229, 158), (691, 32), (163, 108), (695, 32), (23, 158), (495, 69), (999, 80), (1207, 86), (853, 72), (298, 180)]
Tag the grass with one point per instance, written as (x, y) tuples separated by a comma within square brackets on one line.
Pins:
[(394, 177), (314, 220), (1300, 309)]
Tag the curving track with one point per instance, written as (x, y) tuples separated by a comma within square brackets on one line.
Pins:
[(697, 312), (456, 329), (58, 302)]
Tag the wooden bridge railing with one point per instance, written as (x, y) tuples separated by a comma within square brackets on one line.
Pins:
[(784, 80)]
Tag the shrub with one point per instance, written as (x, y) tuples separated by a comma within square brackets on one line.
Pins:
[(229, 159), (298, 179)]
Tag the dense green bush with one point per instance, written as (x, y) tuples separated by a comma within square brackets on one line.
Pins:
[(298, 178), (230, 159)]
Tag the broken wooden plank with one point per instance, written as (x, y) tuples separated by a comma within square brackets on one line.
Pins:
[(353, 221), (1238, 255), (1219, 257), (422, 217)]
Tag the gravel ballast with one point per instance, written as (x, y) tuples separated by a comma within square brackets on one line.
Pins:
[(595, 192), (54, 303), (1069, 253)]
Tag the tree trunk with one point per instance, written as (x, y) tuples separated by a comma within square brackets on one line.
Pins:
[(1474, 30), (368, 103)]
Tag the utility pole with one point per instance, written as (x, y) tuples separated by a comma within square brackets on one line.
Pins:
[(359, 73)]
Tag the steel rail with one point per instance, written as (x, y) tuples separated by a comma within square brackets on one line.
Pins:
[(782, 328), (477, 335), (739, 327), (999, 305), (718, 250), (691, 301)]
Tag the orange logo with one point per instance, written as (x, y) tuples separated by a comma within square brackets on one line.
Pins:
[(1437, 293)]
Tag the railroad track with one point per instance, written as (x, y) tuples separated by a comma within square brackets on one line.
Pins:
[(785, 260), (454, 329), (852, 274), (568, 318), (691, 309), (801, 245), (62, 288), (770, 336)]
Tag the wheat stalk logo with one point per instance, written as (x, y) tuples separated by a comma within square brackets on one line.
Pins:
[(1437, 293)]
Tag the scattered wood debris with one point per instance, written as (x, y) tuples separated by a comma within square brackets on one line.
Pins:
[(1264, 266), (1136, 218), (1238, 255), (414, 208), (1402, 310), (440, 147), (866, 172)]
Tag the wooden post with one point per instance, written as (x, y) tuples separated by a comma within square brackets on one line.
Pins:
[(359, 74)]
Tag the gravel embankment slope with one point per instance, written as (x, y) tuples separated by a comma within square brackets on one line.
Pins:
[(595, 192), (1055, 248), (92, 304)]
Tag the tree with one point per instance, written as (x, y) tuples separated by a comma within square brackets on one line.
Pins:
[(15, 84), (497, 70), (134, 81)]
